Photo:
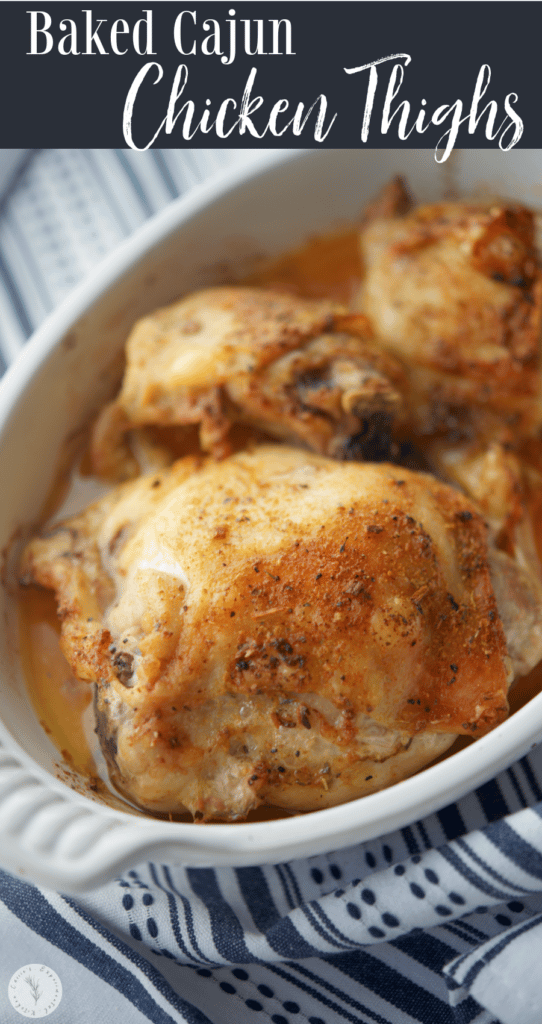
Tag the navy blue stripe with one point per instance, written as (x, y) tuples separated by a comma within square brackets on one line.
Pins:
[(477, 935), (174, 920), (410, 842), (315, 905), (194, 1015), (490, 954), (137, 880), (467, 1010), (460, 933), (329, 924), (175, 923), (475, 931), (349, 1000), (15, 178), (467, 872), (345, 942), (462, 843), (311, 991), (285, 886), (423, 832), (455, 967), (280, 933), (190, 159), (517, 849), (517, 788), (288, 943), (392, 986), (537, 808), (225, 927), (160, 162), (31, 267), (188, 916), (258, 898), (293, 883), (28, 904), (479, 938), (451, 822), (425, 949), (529, 775), (105, 191), (492, 800), (135, 182), (19, 308)]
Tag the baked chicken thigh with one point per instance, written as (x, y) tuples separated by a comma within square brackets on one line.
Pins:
[(454, 289), (282, 628), (299, 369)]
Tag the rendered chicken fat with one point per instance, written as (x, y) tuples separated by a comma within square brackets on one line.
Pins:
[(277, 627)]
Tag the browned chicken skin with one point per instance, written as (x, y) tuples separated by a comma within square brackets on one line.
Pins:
[(302, 370), (454, 290), (279, 628)]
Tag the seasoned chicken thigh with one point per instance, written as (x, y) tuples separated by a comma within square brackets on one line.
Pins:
[(498, 481), (299, 369), (454, 289), (281, 628)]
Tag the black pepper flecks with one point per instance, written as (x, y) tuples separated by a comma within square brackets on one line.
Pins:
[(123, 666)]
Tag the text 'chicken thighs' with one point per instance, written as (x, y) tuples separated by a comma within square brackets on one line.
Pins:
[(277, 628)]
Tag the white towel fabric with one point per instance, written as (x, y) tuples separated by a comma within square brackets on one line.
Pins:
[(439, 923)]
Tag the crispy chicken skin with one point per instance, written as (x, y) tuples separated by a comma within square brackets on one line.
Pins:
[(302, 370), (279, 627), (454, 289)]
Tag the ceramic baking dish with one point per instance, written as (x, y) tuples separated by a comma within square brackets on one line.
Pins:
[(50, 832)]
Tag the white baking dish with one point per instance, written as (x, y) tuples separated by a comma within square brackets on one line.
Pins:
[(48, 832)]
